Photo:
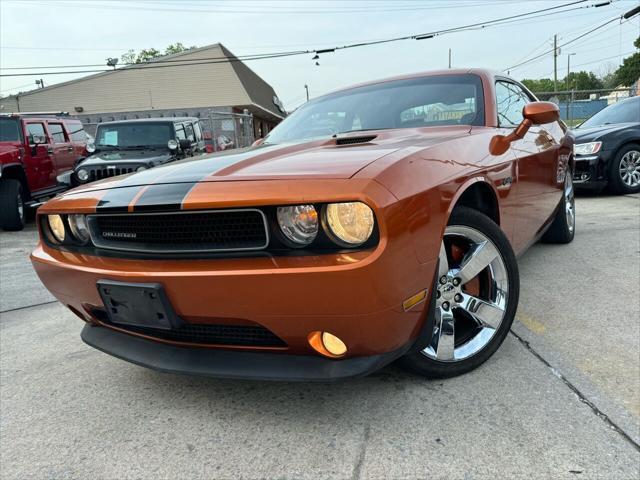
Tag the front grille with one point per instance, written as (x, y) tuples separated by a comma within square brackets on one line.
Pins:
[(181, 232), (100, 173), (235, 335)]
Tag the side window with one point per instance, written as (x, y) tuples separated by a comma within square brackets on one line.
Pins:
[(198, 131), (180, 132), (510, 100), (76, 132), (189, 131), (36, 129), (57, 133)]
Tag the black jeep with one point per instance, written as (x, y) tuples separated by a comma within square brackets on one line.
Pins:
[(130, 146)]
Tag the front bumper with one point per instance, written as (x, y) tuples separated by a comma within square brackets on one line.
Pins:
[(356, 296), (591, 170), (226, 364)]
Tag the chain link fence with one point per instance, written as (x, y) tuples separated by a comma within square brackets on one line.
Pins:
[(578, 105), (222, 130)]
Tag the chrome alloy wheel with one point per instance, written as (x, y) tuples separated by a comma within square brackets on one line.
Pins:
[(569, 203), (471, 295), (630, 168)]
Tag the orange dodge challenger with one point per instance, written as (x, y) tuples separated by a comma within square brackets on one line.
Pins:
[(376, 223)]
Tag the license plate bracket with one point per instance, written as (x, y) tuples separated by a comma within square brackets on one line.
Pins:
[(138, 304)]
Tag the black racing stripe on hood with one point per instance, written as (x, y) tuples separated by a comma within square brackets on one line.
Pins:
[(167, 196), (117, 199)]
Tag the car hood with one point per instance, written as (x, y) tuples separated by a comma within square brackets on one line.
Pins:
[(592, 134), (326, 158), (8, 147), (126, 156)]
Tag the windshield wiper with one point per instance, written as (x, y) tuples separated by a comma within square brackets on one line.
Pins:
[(112, 147), (137, 147)]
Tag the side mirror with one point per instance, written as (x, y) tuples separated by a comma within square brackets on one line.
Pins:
[(39, 139), (185, 144), (535, 113), (91, 147)]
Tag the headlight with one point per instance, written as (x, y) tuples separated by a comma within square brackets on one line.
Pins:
[(350, 224), (299, 223), (78, 226), (587, 148), (56, 224), (141, 168), (82, 175)]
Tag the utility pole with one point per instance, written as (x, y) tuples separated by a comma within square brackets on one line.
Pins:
[(568, 67), (449, 58), (306, 87), (555, 63)]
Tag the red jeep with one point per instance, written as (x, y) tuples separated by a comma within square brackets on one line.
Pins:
[(34, 149)]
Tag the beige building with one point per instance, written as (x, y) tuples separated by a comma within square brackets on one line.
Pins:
[(207, 82)]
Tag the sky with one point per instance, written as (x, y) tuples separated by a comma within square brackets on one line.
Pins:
[(74, 32)]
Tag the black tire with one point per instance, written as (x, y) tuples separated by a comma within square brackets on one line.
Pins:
[(563, 227), (12, 209), (416, 360), (616, 184)]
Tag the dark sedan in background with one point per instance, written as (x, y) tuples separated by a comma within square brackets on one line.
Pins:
[(607, 149)]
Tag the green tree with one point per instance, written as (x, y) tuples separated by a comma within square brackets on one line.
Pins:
[(629, 71), (581, 81), (177, 48), (539, 85), (146, 54)]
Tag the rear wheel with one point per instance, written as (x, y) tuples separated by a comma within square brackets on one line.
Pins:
[(12, 209), (624, 172), (477, 293)]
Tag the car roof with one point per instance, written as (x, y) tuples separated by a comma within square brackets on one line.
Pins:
[(481, 72), (153, 120)]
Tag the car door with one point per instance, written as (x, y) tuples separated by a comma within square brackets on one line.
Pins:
[(78, 138), (537, 158), (39, 162), (63, 150)]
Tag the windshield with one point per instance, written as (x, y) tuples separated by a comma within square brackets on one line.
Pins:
[(9, 130), (623, 112), (134, 135), (417, 102)]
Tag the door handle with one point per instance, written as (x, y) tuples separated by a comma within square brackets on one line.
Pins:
[(50, 150), (69, 149)]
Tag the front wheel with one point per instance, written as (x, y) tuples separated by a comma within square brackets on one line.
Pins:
[(563, 227), (477, 291), (12, 210)]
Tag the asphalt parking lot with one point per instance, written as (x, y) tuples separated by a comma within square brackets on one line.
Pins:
[(560, 399)]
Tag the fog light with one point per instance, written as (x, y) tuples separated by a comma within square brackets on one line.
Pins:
[(141, 168), (327, 344)]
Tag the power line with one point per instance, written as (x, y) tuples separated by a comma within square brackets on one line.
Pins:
[(427, 35), (599, 60), (564, 44), (275, 11)]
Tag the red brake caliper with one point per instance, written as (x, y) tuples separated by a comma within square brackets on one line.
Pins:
[(472, 286)]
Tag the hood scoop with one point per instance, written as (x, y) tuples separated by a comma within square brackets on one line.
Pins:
[(355, 140)]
